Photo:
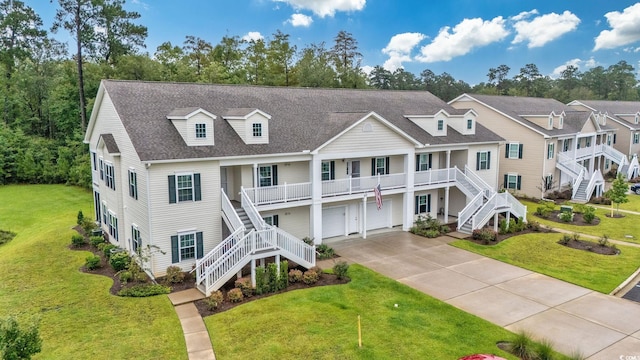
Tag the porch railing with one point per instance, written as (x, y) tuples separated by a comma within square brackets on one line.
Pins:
[(356, 185), (280, 193), (576, 183), (230, 214), (251, 211), (217, 253), (488, 190)]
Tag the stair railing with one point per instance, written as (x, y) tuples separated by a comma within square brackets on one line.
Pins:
[(233, 220), (488, 190), (217, 253), (595, 178), (251, 211), (470, 209), (577, 182)]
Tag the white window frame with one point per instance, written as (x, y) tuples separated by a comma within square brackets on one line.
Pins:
[(105, 213), (94, 161), (325, 170), (181, 247), (423, 162), (380, 169), (483, 164), (469, 124), (109, 175), (113, 225), (422, 201), (188, 193), (565, 145), (201, 130), (269, 219), (609, 139), (511, 146), (135, 238), (440, 125), (550, 150), (636, 138), (561, 120), (101, 167), (515, 182), (133, 183), (256, 129), (587, 142), (550, 121), (262, 177)]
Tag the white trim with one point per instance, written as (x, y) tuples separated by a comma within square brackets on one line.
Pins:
[(245, 117), (191, 114)]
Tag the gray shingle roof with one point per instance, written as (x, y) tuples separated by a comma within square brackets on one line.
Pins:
[(181, 112), (518, 107), (110, 143), (613, 108), (302, 118)]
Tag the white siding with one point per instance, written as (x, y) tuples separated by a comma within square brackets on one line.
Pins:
[(489, 176), (191, 139), (359, 139), (257, 119), (293, 220)]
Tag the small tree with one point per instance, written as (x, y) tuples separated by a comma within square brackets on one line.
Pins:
[(618, 193), (17, 342)]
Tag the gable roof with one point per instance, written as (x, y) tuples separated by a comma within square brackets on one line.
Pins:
[(519, 107), (302, 118), (613, 109), (110, 143)]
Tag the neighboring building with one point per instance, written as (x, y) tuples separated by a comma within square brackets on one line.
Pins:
[(218, 176), (624, 116), (549, 145)]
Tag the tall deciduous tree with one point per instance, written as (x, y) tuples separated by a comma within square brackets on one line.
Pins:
[(228, 54), (618, 193), (198, 51), (280, 56), (255, 58), (314, 67)]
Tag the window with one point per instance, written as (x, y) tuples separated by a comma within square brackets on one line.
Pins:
[(607, 163), (587, 142), (636, 119), (133, 184), (636, 138), (257, 130), (104, 213), (513, 151), (512, 181), (469, 124), (609, 139), (94, 161), (113, 225), (268, 175), (423, 204), (109, 176), (101, 169), (440, 125), (423, 162), (185, 246), (97, 205), (483, 160), (550, 121), (328, 170), (379, 165), (548, 182), (565, 145), (184, 187), (271, 220), (201, 131), (561, 120), (136, 240), (614, 138), (550, 151)]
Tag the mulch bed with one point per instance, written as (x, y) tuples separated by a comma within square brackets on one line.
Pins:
[(578, 220), (591, 247), (503, 237)]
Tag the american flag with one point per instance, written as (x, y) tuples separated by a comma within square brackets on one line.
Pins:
[(376, 190)]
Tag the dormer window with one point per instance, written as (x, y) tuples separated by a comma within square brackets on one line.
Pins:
[(636, 118), (550, 121), (469, 124), (257, 130), (561, 120), (440, 125), (201, 131)]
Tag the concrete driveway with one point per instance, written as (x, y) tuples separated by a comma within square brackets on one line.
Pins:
[(573, 318)]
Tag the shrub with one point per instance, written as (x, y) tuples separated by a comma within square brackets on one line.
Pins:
[(77, 240), (325, 252), (534, 226), (244, 284), (119, 261), (589, 214), (214, 300), (295, 275), (340, 269), (92, 262), (283, 279), (260, 280), (19, 342), (310, 277), (522, 346), (566, 216), (428, 227), (544, 350), (235, 295), (125, 276), (564, 240), (272, 277), (107, 250), (603, 241), (88, 225), (307, 240), (6, 236), (80, 218), (485, 235), (96, 240), (144, 290), (601, 200), (174, 275), (137, 274)]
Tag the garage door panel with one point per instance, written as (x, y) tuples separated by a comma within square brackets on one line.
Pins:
[(378, 219), (333, 221)]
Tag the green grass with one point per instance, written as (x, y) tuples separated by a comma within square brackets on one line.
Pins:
[(321, 323), (614, 228), (541, 253), (632, 205), (78, 317)]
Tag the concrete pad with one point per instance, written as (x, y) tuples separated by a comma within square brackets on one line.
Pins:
[(610, 311), (401, 266), (202, 355), (567, 333), (192, 324), (446, 255), (458, 235), (185, 296), (544, 289), (498, 306), (198, 341), (443, 284), (490, 271), (627, 348), (367, 252), (186, 311)]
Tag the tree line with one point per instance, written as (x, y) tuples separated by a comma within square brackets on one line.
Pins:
[(49, 87)]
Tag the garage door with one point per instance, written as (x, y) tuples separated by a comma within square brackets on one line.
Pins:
[(333, 221), (378, 219)]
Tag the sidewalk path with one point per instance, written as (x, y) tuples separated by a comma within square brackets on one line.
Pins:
[(195, 332)]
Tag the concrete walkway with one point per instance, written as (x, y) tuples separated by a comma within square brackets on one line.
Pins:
[(196, 335), (573, 318)]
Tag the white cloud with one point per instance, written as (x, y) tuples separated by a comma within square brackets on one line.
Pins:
[(142, 4), (582, 65), (367, 69), (625, 28), (324, 8), (543, 29), (399, 49), (300, 20), (253, 35), (524, 15), (467, 35)]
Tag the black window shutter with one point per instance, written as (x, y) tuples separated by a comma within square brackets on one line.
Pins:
[(386, 168), (135, 183), (614, 138), (130, 187), (417, 205), (477, 161), (488, 160), (506, 179), (428, 203), (274, 175), (199, 245), (418, 162), (175, 252), (506, 151), (332, 170), (430, 158), (172, 189), (519, 182), (275, 220), (520, 151), (197, 188), (373, 166), (139, 242)]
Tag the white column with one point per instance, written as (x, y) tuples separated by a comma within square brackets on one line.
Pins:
[(316, 199), (408, 198), (255, 175), (448, 159), (446, 203), (364, 216)]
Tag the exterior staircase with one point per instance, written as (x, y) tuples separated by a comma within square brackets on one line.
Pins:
[(581, 194), (248, 225)]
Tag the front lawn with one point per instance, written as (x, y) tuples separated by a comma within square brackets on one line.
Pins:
[(321, 323), (78, 317), (614, 228), (541, 253)]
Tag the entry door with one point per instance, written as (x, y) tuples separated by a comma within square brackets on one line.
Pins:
[(223, 181), (355, 173), (354, 217)]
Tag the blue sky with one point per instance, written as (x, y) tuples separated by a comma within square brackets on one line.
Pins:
[(462, 37)]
